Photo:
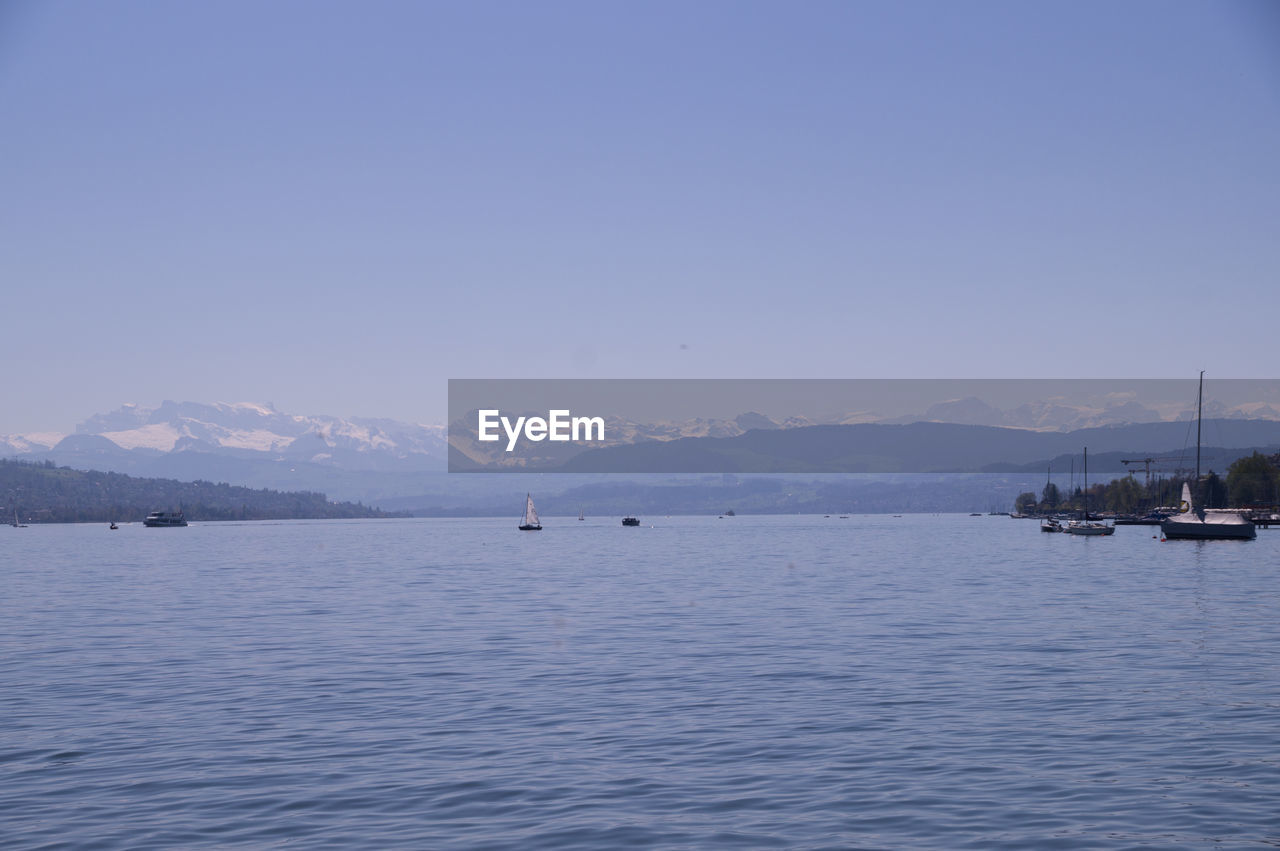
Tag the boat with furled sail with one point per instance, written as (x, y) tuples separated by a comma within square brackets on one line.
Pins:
[(1205, 524), (1085, 526)]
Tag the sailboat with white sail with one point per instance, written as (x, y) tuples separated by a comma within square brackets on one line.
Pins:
[(1205, 524), (529, 523)]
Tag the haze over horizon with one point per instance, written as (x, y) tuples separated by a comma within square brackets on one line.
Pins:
[(336, 209)]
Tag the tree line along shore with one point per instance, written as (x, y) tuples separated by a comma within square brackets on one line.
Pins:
[(44, 493), (1251, 482)]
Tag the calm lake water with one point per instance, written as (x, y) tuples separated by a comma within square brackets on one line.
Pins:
[(792, 682)]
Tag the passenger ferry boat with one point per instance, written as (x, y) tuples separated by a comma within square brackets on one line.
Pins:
[(165, 518)]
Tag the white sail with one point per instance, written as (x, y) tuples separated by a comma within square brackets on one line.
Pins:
[(530, 513), (1184, 507)]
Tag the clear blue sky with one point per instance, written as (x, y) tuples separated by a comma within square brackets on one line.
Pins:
[(337, 206)]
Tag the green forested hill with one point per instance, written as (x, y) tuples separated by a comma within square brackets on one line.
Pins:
[(44, 493)]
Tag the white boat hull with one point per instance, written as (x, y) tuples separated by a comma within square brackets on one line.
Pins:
[(1192, 528), (1090, 529)]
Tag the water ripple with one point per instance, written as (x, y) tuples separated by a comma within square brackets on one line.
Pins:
[(934, 682)]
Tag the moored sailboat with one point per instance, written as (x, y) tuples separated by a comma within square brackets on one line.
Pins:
[(1085, 527), (1204, 524)]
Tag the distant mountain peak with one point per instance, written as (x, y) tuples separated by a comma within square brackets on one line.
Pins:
[(236, 428)]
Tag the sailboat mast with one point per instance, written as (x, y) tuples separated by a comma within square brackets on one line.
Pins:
[(1086, 484), (1199, 414)]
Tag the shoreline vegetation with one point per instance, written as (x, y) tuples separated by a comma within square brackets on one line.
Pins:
[(1252, 481), (42, 492)]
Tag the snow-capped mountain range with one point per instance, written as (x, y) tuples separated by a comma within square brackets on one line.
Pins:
[(380, 459), (248, 430), (244, 430)]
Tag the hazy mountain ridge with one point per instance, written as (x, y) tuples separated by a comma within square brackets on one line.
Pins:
[(381, 460), (258, 428), (1047, 416), (921, 447), (617, 432)]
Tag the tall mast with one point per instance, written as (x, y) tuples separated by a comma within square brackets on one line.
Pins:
[(1199, 412), (1086, 484)]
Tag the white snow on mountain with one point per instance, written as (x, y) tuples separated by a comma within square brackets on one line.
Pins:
[(259, 431), (247, 427), (21, 444), (158, 436)]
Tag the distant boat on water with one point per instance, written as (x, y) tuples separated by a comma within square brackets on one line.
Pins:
[(580, 517), (1205, 524), (530, 521), (630, 521), (1151, 518), (165, 519), (15, 523)]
